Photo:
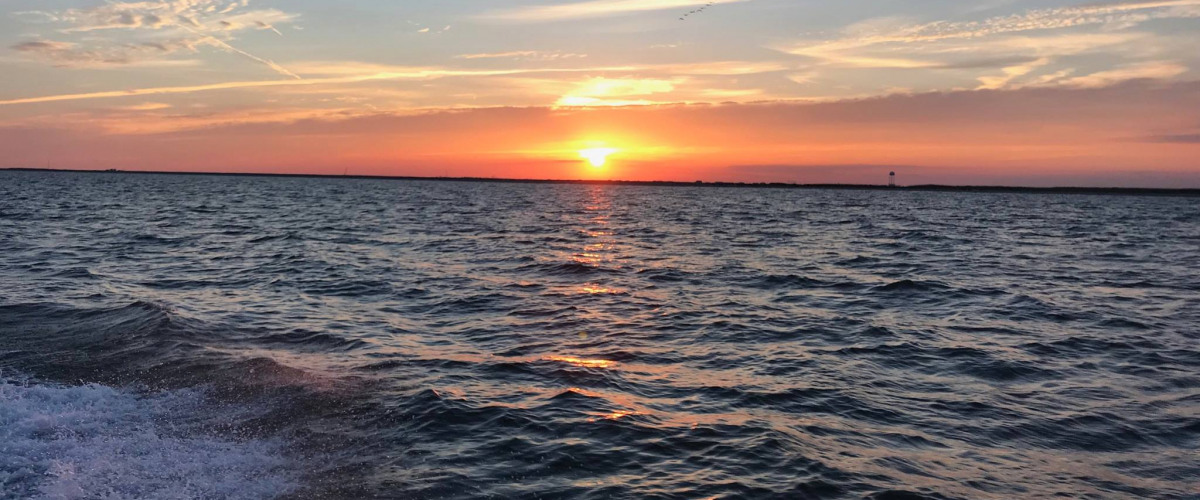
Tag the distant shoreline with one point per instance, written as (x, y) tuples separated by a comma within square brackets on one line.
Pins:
[(775, 185)]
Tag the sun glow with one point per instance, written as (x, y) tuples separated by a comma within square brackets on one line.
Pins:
[(597, 157)]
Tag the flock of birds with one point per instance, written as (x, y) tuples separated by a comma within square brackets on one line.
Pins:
[(697, 11)]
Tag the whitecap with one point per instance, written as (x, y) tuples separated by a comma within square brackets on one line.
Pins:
[(93, 441)]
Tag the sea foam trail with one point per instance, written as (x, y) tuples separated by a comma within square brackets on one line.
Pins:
[(94, 441)]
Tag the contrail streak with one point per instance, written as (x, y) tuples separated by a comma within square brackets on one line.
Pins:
[(188, 89), (278, 69), (415, 74)]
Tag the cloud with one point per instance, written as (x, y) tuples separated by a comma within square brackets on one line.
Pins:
[(71, 55), (715, 68), (1155, 70), (1010, 73), (1032, 47), (194, 14), (592, 8), (953, 52), (614, 92), (146, 106), (329, 74), (355, 68), (51, 49), (1177, 138), (120, 32), (1121, 14), (185, 89), (727, 94), (160, 123), (523, 54), (35, 17), (265, 26), (722, 68), (542, 85), (429, 30)]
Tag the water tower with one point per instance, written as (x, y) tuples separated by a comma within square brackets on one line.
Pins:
[(892, 179)]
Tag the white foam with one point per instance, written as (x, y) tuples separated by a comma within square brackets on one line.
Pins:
[(97, 442)]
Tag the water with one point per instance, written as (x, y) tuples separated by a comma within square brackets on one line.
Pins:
[(225, 337)]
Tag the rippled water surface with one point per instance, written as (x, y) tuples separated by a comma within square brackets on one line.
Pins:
[(233, 337)]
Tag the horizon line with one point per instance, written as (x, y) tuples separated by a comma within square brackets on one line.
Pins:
[(1186, 192)]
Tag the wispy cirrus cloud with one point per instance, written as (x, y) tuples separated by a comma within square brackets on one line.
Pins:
[(66, 53), (127, 33), (591, 8), (149, 119), (893, 43), (1019, 49), (1119, 15), (69, 54), (205, 15)]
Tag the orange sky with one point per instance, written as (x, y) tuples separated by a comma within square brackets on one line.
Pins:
[(1136, 133)]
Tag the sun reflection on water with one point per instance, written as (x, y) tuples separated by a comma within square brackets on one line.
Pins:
[(584, 363), (614, 415), (593, 289)]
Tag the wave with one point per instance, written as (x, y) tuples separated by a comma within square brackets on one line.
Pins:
[(665, 275), (75, 273), (324, 342), (98, 344), (564, 269), (150, 345), (349, 288), (911, 286), (789, 281)]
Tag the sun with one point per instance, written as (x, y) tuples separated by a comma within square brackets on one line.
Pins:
[(597, 157)]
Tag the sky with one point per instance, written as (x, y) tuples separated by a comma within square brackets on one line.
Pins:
[(1016, 92)]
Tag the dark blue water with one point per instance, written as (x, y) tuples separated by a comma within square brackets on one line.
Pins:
[(225, 337)]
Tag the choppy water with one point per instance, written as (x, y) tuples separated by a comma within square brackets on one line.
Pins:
[(222, 337)]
